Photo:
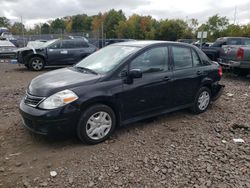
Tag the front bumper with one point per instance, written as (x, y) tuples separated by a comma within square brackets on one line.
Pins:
[(46, 122)]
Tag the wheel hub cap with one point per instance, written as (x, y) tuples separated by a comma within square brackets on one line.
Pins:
[(37, 64), (98, 125), (203, 100)]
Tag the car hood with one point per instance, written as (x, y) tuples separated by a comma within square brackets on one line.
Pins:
[(58, 80)]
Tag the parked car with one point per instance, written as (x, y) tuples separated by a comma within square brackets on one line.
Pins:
[(213, 51), (55, 52), (236, 58), (120, 84), (7, 50), (3, 30), (8, 36)]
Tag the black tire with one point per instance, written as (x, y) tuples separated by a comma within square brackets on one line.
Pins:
[(36, 63), (197, 109), (83, 124), (240, 72)]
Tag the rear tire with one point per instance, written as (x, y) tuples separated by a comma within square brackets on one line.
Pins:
[(97, 124), (36, 63), (202, 100)]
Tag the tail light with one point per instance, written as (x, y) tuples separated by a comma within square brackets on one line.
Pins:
[(220, 72), (240, 54)]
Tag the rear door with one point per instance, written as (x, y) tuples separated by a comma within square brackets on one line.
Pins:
[(82, 50), (54, 53), (188, 73), (68, 51)]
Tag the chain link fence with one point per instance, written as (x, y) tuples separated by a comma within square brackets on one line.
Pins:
[(93, 37)]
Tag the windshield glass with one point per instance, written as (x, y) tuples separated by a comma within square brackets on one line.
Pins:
[(48, 43), (35, 44), (107, 58)]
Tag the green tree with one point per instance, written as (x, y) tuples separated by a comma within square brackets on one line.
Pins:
[(111, 21), (57, 26), (246, 30), (216, 27), (77, 23), (17, 28), (233, 30), (4, 22), (137, 27), (45, 28), (173, 29)]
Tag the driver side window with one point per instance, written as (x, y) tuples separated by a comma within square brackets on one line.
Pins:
[(153, 60), (56, 45)]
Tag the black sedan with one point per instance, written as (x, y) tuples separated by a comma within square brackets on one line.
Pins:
[(120, 84)]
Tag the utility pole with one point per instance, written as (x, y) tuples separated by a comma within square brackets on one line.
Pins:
[(102, 35), (22, 31)]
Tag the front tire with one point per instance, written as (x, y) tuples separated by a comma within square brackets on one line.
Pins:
[(202, 100), (97, 124), (36, 63)]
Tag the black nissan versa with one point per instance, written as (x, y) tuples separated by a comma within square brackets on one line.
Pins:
[(121, 84)]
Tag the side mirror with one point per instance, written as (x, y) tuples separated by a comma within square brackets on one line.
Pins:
[(135, 73)]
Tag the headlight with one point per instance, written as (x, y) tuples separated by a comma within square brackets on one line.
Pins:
[(58, 99)]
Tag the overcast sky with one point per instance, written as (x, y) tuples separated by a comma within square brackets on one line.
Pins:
[(35, 11)]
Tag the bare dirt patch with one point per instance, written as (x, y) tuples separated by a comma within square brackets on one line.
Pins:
[(174, 150)]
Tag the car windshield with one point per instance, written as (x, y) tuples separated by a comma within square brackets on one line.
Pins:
[(48, 43), (35, 44), (107, 58)]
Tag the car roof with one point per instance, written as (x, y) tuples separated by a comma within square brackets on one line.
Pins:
[(225, 38), (145, 43)]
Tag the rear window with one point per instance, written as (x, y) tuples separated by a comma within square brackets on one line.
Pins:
[(81, 44), (234, 42), (182, 57), (68, 44)]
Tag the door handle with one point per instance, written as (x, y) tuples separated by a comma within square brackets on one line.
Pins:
[(166, 78), (199, 72)]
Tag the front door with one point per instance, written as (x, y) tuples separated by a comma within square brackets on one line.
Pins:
[(152, 92)]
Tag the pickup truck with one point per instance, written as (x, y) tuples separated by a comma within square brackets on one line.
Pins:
[(236, 58), (213, 52), (55, 52)]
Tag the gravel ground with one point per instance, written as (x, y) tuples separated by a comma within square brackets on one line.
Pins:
[(175, 150)]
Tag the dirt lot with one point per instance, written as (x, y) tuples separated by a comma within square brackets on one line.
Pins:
[(175, 150)]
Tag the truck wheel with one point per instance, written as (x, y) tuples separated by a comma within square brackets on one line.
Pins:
[(96, 124), (36, 63), (240, 72), (202, 100)]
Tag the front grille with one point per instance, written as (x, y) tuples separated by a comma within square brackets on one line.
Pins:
[(33, 101)]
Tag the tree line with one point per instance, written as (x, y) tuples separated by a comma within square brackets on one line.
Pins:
[(116, 25)]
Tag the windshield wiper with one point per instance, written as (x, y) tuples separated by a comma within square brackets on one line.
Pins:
[(86, 70)]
